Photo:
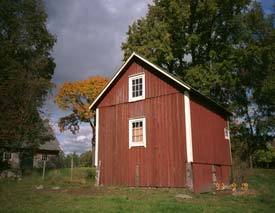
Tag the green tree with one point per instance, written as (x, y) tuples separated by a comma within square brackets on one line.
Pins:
[(193, 39), (76, 160), (86, 159), (225, 49), (26, 68), (265, 156)]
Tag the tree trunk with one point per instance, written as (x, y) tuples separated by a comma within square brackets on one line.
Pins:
[(250, 162), (93, 155), (93, 141)]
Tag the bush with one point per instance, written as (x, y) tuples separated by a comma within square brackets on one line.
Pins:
[(90, 173), (4, 165)]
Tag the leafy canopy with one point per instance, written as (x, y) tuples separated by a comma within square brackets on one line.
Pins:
[(76, 97), (26, 68)]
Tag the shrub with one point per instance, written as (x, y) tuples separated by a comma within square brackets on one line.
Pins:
[(4, 165), (90, 173)]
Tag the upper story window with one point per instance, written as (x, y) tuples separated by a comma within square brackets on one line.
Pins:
[(6, 156), (137, 132), (137, 87)]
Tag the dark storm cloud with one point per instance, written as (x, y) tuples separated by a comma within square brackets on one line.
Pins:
[(89, 35)]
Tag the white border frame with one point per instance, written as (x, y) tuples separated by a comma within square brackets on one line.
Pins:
[(130, 79), (229, 141), (5, 154), (96, 135), (188, 127), (135, 144)]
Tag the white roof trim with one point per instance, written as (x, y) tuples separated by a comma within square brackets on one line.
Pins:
[(163, 72), (147, 62)]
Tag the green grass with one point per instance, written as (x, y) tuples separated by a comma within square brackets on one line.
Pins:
[(80, 195)]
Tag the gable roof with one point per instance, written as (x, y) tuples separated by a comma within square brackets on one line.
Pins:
[(51, 145), (175, 79)]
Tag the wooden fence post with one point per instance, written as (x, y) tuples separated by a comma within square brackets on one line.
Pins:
[(44, 168), (72, 168), (98, 173)]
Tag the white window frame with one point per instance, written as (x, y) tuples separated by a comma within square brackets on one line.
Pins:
[(131, 78), (5, 154), (44, 157), (136, 144), (226, 133)]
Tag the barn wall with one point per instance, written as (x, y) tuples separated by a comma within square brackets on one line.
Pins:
[(209, 143), (210, 148), (162, 162)]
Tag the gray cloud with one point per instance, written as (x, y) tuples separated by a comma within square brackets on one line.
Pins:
[(89, 35)]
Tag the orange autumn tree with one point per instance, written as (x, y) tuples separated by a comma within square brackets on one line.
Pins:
[(76, 97)]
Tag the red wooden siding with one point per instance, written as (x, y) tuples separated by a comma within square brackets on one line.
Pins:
[(209, 147), (202, 177), (209, 143), (162, 162)]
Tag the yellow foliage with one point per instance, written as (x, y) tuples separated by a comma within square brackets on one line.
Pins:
[(222, 186), (244, 186), (233, 187), (77, 96), (219, 186)]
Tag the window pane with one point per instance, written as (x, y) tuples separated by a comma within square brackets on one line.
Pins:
[(137, 131), (140, 80)]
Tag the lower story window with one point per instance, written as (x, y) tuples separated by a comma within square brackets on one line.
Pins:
[(44, 157), (137, 132), (6, 156)]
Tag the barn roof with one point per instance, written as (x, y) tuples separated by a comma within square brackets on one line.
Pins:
[(170, 76)]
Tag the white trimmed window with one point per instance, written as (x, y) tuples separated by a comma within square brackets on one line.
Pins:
[(44, 157), (137, 87), (6, 156), (137, 132), (226, 133)]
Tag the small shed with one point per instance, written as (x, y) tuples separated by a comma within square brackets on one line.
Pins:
[(47, 151), (154, 130)]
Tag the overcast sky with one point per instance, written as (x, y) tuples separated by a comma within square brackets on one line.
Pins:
[(89, 36)]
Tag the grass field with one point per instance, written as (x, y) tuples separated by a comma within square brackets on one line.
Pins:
[(80, 195)]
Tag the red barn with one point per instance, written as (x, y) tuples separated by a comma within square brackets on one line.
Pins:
[(155, 130)]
